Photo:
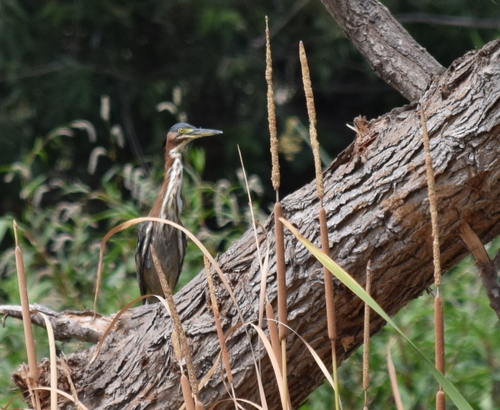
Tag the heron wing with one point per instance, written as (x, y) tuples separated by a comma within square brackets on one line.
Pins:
[(182, 252), (143, 254)]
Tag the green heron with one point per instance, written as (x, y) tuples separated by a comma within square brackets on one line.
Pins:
[(168, 242)]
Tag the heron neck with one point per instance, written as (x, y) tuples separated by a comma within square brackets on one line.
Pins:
[(169, 200)]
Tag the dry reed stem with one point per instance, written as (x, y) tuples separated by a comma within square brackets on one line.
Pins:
[(282, 291), (220, 333), (281, 272), (271, 115), (110, 327), (263, 284), (65, 369), (394, 381), (366, 335), (53, 362), (187, 393), (273, 332), (432, 201), (264, 272), (198, 404), (330, 303), (328, 278), (311, 111), (63, 394), (28, 330), (284, 370), (274, 363), (315, 357), (178, 329), (208, 375), (263, 266)]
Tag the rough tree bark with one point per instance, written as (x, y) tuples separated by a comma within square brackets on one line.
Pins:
[(377, 208)]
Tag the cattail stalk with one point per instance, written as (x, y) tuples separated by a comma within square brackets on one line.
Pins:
[(432, 201), (439, 347), (278, 213), (438, 303), (328, 279)]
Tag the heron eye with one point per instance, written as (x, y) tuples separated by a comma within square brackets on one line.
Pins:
[(182, 130)]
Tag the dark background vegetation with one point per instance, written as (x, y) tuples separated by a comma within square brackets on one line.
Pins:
[(58, 58)]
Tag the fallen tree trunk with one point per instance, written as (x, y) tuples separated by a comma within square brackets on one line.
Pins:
[(377, 209)]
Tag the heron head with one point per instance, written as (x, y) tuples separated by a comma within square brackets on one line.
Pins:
[(181, 134)]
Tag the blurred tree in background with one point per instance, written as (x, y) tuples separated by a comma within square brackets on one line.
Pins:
[(154, 63)]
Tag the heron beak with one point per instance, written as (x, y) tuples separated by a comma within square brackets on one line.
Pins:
[(202, 132)]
